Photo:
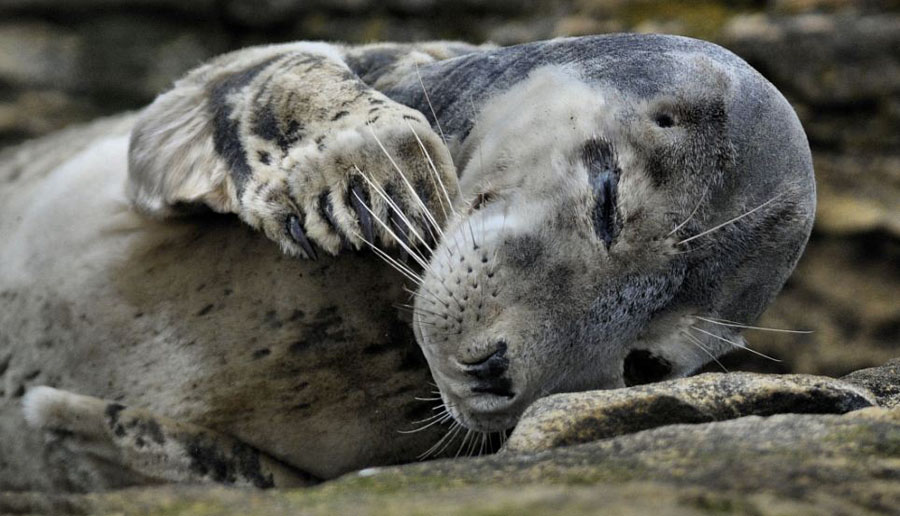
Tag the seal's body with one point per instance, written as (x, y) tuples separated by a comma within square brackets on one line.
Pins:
[(571, 209)]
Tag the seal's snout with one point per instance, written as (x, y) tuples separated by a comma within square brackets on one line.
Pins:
[(490, 373)]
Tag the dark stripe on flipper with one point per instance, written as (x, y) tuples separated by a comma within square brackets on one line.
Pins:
[(226, 135)]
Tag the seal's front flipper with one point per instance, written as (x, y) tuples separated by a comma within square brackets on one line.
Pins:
[(95, 444)]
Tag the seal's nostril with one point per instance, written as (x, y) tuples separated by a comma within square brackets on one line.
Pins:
[(492, 365), (489, 372)]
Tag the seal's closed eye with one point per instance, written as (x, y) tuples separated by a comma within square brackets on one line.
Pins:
[(664, 120)]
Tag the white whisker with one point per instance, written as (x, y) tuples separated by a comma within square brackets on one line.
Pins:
[(693, 212), (437, 175), (380, 191), (733, 324), (732, 221), (430, 106), (735, 344), (415, 256), (695, 341), (429, 217)]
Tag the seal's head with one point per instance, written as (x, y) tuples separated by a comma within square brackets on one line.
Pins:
[(616, 220)]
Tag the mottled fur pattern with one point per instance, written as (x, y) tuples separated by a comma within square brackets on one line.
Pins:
[(616, 209), (284, 130)]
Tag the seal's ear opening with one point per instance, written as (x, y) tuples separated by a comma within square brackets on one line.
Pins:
[(172, 162), (642, 366)]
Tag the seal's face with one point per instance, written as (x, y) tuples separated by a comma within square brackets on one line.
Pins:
[(565, 267)]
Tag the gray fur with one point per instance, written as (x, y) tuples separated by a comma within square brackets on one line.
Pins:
[(558, 266)]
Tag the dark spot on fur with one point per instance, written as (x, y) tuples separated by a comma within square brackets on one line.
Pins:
[(264, 157), (147, 428), (226, 135), (208, 459), (259, 353), (272, 320), (326, 326), (296, 315), (32, 375), (302, 406), (339, 115), (112, 418), (19, 392), (205, 310), (4, 364)]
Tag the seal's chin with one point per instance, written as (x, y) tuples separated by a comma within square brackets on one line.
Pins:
[(481, 412)]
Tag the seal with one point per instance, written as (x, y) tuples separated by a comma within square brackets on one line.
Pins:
[(581, 213)]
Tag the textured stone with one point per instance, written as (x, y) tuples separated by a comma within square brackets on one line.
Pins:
[(882, 381), (784, 464), (567, 419)]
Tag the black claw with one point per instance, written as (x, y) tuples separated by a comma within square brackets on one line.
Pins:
[(327, 211), (295, 230), (401, 229), (358, 198)]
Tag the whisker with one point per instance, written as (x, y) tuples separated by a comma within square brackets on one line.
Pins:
[(430, 106), (463, 443), (732, 221), (429, 217), (444, 418), (693, 212), (436, 176), (733, 324), (695, 341), (430, 451), (735, 344), (421, 261), (383, 194), (410, 275), (456, 432)]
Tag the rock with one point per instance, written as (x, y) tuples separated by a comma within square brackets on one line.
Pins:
[(74, 6), (845, 290), (883, 382), (823, 59), (784, 464), (573, 418), (103, 56)]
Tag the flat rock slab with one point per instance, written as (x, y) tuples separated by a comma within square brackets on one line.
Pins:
[(567, 419), (798, 464)]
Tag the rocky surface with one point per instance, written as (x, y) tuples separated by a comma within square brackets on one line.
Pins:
[(883, 382), (787, 463), (567, 419)]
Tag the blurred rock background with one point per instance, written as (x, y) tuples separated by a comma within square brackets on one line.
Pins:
[(837, 61)]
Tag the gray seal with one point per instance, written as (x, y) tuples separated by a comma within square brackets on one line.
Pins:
[(582, 213)]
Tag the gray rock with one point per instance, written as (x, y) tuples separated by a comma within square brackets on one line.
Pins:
[(784, 464), (132, 57), (567, 419), (883, 382), (823, 59)]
